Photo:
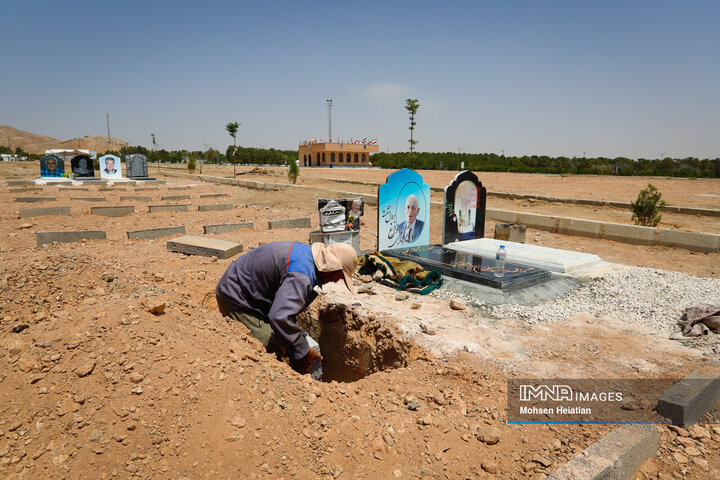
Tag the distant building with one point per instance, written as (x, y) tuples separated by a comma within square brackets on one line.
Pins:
[(339, 154)]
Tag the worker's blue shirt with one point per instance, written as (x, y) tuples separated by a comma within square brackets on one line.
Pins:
[(276, 282)]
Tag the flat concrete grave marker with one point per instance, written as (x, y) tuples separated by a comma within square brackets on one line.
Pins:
[(111, 189), (88, 199), (25, 189), (553, 259), (403, 211), (73, 189), (145, 189), (211, 195), (464, 213), (37, 212), (185, 187), (471, 268), (167, 208), (176, 197), (115, 211), (20, 182), (155, 232), (44, 238), (302, 222), (35, 199), (207, 247), (137, 199), (227, 227), (215, 206)]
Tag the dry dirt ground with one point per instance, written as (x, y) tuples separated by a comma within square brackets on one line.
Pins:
[(94, 384)]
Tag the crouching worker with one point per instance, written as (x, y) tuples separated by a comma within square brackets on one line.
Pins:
[(267, 287)]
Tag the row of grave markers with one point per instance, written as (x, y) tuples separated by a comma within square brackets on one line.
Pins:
[(82, 166)]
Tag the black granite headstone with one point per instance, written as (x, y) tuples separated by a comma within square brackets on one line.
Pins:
[(52, 166), (472, 268), (464, 213), (82, 166)]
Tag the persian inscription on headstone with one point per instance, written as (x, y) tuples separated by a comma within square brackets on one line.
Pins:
[(464, 212), (52, 166), (471, 268), (136, 165), (403, 211), (82, 166), (110, 167)]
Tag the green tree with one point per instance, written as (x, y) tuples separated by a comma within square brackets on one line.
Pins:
[(646, 210), (412, 106), (293, 171), (191, 164), (232, 128)]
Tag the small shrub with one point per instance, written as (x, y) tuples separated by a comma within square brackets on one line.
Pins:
[(646, 210), (191, 164), (293, 171)]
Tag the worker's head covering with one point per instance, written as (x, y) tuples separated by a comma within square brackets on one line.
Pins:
[(338, 256)]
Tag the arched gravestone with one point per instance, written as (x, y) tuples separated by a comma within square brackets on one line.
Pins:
[(110, 167), (136, 165), (464, 212), (82, 166), (52, 166), (403, 211)]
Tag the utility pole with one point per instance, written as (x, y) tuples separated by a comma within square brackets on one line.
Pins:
[(329, 105), (157, 159), (107, 115)]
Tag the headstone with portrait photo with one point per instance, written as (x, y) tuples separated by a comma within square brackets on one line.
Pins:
[(110, 167), (464, 212), (403, 211), (52, 166), (332, 217), (82, 166), (353, 209)]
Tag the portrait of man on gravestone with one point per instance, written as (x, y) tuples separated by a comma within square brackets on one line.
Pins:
[(82, 166), (51, 166), (110, 167), (411, 228)]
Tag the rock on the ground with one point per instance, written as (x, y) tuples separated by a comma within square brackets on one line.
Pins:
[(457, 304)]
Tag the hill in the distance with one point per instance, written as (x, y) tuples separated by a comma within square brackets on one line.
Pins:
[(34, 143)]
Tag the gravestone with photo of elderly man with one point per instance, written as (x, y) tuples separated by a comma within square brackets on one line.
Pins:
[(52, 166), (403, 211), (110, 167)]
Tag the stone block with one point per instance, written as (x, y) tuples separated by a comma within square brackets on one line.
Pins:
[(207, 247), (635, 234), (111, 189), (73, 189), (116, 211), (88, 199), (37, 212), (211, 195), (227, 227), (25, 189), (20, 182), (691, 398), (696, 241), (302, 222), (579, 227), (179, 188), (505, 216), (145, 189), (617, 455), (215, 206), (44, 238), (510, 232), (137, 199), (35, 199), (175, 197), (548, 223), (155, 232), (167, 208)]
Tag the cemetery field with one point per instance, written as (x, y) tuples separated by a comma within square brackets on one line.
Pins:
[(116, 361)]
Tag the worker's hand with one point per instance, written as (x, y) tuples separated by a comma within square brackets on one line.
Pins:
[(309, 360)]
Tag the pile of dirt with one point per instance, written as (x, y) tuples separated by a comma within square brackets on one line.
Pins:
[(34, 143)]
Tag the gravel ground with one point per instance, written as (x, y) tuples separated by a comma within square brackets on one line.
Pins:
[(633, 294)]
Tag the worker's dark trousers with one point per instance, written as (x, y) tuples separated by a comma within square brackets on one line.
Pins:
[(259, 327)]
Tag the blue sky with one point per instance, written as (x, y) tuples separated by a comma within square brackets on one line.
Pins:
[(626, 78)]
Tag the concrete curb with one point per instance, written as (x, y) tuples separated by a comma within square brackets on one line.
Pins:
[(176, 197), (88, 199), (226, 227), (155, 232), (44, 238), (116, 211), (215, 207), (207, 247), (302, 222), (619, 232), (692, 397), (35, 199), (37, 212), (617, 455), (167, 208)]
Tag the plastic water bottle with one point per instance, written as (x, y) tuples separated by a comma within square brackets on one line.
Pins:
[(500, 257)]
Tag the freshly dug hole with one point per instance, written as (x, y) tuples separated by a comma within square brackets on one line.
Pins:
[(354, 344)]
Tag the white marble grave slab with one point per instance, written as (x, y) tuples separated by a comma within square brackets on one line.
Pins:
[(553, 259)]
